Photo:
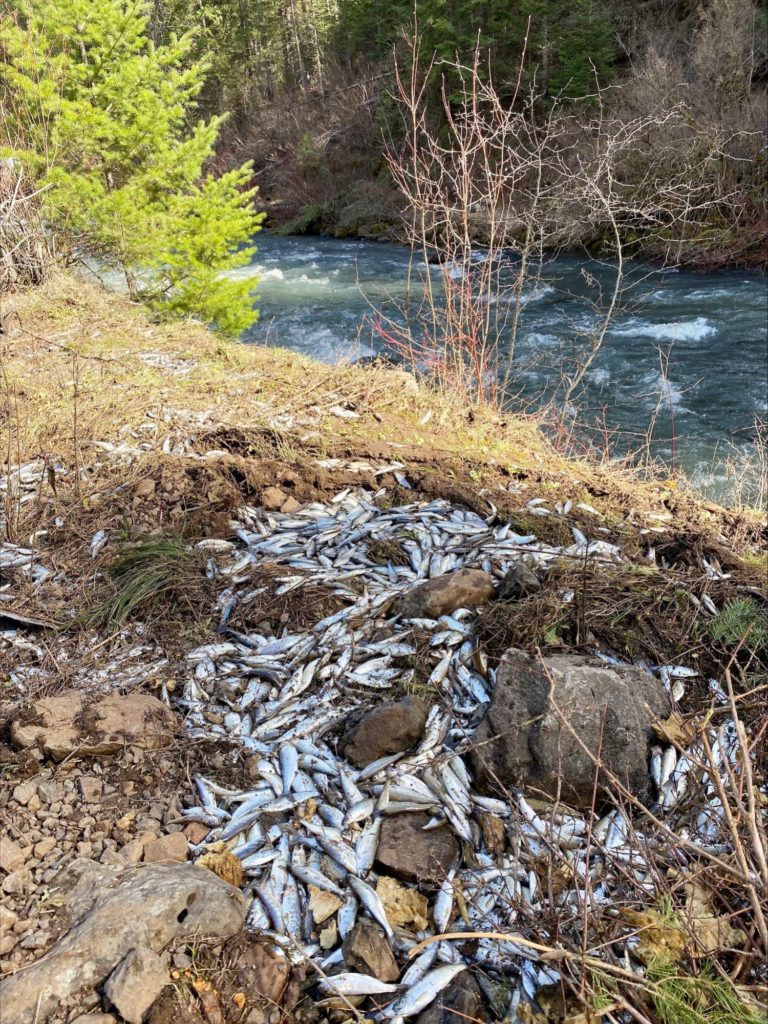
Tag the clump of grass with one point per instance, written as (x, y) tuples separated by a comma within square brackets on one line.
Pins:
[(703, 998), (144, 574), (741, 621)]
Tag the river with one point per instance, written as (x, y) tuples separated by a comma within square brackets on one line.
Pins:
[(316, 296)]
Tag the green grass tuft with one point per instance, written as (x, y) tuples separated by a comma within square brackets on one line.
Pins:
[(146, 572), (706, 998)]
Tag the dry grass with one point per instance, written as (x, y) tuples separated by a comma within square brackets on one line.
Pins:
[(207, 425)]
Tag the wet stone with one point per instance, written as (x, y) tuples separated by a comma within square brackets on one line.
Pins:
[(367, 951), (407, 852), (386, 729)]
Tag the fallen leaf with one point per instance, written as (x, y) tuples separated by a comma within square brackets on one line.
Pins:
[(402, 905), (239, 1000), (329, 936), (322, 904), (712, 931), (657, 936), (675, 730), (224, 864)]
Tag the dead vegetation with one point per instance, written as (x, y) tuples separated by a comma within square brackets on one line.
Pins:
[(634, 611)]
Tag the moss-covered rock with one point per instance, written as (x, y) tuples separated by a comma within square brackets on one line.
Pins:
[(365, 209)]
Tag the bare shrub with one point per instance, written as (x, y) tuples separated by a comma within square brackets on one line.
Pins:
[(497, 188), (713, 72), (26, 253)]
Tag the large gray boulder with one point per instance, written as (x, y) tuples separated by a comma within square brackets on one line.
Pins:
[(115, 911), (527, 737)]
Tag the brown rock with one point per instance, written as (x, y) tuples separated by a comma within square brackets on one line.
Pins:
[(144, 488), (8, 918), (44, 847), (465, 588), (403, 382), (136, 983), (13, 884), (290, 505), (367, 951), (458, 1003), (527, 736), (132, 851), (11, 855), (386, 729), (268, 973), (408, 852), (170, 848), (24, 792), (494, 833), (70, 722), (196, 832), (272, 498), (90, 788)]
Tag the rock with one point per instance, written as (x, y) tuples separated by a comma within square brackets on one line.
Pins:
[(172, 847), (523, 738), (268, 972), (403, 904), (367, 951), (7, 942), (95, 1018), (329, 936), (518, 583), (322, 904), (49, 792), (70, 722), (8, 918), (90, 788), (135, 983), (11, 855), (458, 1003), (386, 729), (403, 382), (13, 884), (144, 488), (132, 851), (196, 832), (272, 498), (406, 851), (44, 847), (290, 505), (116, 910), (494, 832), (24, 792), (465, 588)]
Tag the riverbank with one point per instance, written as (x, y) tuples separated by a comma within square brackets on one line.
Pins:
[(371, 210), (211, 464)]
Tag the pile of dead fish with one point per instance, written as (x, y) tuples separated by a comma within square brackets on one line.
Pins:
[(311, 823)]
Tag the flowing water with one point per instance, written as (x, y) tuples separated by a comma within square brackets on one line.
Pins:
[(688, 352)]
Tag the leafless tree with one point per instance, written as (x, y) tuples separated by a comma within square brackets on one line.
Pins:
[(496, 187)]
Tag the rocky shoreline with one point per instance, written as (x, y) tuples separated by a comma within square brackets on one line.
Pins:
[(365, 704)]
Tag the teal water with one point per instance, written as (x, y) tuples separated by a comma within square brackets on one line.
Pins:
[(318, 296)]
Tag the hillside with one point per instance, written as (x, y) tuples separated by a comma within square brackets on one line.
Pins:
[(236, 535)]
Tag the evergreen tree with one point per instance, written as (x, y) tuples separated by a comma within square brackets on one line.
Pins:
[(102, 117)]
